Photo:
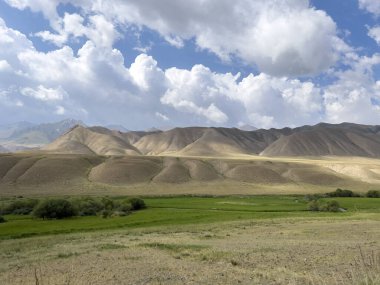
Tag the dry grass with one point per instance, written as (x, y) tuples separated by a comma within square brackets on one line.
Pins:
[(282, 251)]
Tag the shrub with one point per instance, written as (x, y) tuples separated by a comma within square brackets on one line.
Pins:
[(313, 206), (54, 209), (330, 206), (137, 204), (125, 207), (2, 220), (88, 206), (312, 197), (108, 204), (342, 193), (20, 207), (106, 213), (373, 194)]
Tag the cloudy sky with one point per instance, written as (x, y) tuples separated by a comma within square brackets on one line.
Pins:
[(145, 63)]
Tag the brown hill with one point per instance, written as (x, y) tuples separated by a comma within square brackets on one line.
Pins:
[(324, 139), (320, 140), (198, 141), (169, 141), (96, 140)]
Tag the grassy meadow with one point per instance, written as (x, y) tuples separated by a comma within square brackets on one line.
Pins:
[(185, 211), (199, 240)]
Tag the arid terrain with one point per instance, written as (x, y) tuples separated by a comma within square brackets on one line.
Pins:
[(224, 206), (49, 174), (278, 251)]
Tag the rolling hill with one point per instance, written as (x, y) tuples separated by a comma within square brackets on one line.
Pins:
[(319, 140), (95, 140), (324, 140)]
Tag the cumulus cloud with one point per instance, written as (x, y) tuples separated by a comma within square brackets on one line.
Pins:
[(95, 83), (45, 94), (375, 34), (281, 37), (262, 100), (353, 97), (372, 6), (99, 30)]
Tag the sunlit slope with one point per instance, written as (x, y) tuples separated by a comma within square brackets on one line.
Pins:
[(162, 175), (81, 140)]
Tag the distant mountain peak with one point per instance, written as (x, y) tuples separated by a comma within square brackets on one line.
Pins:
[(247, 127)]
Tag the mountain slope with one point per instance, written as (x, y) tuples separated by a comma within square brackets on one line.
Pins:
[(319, 140), (7, 130), (97, 140), (208, 141), (169, 141), (41, 134), (324, 139)]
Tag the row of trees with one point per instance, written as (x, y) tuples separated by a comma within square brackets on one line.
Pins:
[(64, 208)]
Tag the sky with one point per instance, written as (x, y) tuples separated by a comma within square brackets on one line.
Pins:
[(166, 63)]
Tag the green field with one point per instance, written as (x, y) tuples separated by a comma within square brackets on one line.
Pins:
[(186, 211)]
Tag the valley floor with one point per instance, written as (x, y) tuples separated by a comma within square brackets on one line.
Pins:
[(265, 248), (286, 251)]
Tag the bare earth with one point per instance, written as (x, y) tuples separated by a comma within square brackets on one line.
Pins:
[(281, 251), (53, 174)]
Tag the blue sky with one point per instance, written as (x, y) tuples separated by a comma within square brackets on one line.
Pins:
[(271, 63)]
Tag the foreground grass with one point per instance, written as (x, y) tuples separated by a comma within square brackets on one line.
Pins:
[(185, 211), (191, 240)]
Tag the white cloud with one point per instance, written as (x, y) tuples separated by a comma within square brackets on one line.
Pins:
[(60, 110), (4, 65), (351, 98), (94, 84), (145, 73), (261, 100), (375, 34), (45, 94), (99, 30), (162, 116), (372, 6), (282, 37), (47, 7)]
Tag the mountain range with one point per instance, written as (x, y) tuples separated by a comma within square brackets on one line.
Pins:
[(344, 139), (26, 135)]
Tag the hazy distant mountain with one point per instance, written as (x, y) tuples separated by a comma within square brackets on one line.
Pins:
[(41, 134), (7, 130), (117, 128), (3, 149), (153, 130), (94, 140), (248, 128)]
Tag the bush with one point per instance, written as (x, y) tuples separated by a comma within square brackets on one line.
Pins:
[(137, 204), (313, 206), (2, 220), (330, 206), (54, 209), (312, 197), (342, 193), (88, 206), (373, 194), (106, 213), (20, 207), (108, 204), (125, 207)]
